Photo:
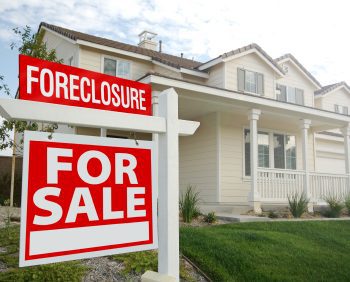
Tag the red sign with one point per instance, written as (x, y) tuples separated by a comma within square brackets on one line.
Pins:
[(85, 196), (49, 82)]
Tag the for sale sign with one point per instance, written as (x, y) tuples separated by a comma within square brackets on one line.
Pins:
[(49, 82), (85, 196)]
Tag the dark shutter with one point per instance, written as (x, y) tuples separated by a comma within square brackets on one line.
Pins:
[(240, 78), (260, 83), (282, 96)]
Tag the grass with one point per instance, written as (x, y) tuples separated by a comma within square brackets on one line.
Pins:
[(9, 244), (271, 251)]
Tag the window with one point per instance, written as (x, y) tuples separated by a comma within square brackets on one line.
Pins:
[(341, 109), (116, 68), (283, 155), (289, 94), (263, 150), (250, 81)]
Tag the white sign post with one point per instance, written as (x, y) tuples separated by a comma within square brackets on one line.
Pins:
[(169, 128)]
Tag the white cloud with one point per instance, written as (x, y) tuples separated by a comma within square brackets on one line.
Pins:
[(315, 32)]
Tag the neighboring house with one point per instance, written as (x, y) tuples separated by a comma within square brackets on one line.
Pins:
[(256, 143)]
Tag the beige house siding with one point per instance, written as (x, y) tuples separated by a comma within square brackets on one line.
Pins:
[(251, 62), (216, 76), (198, 159), (64, 49), (294, 78), (339, 97)]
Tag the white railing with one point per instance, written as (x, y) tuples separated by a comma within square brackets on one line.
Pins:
[(274, 185), (324, 184), (277, 184)]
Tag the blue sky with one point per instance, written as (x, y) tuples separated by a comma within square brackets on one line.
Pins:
[(315, 32)]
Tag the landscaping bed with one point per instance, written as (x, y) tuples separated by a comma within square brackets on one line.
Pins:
[(271, 251)]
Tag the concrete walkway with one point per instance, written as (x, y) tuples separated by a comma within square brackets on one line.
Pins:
[(241, 218), (250, 218)]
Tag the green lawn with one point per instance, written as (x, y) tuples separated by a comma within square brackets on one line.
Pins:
[(271, 251)]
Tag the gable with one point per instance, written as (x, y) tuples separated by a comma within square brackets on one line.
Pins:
[(294, 77)]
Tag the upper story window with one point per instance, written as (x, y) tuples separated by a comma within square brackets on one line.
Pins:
[(250, 81), (289, 94), (341, 109), (117, 68)]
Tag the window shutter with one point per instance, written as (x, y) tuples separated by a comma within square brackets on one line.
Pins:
[(345, 110), (283, 93), (299, 96), (260, 84), (240, 78)]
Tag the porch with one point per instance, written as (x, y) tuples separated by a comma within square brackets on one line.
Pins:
[(215, 159)]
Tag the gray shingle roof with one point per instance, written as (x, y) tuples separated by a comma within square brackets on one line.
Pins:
[(247, 48), (171, 60), (290, 56), (331, 87)]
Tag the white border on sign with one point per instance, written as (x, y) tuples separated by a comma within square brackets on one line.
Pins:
[(86, 140)]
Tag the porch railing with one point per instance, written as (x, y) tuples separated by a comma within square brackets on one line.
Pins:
[(323, 185), (274, 185), (277, 184)]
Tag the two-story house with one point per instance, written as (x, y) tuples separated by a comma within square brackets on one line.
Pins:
[(259, 117)]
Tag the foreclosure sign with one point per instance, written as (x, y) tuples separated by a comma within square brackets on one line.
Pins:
[(85, 196), (49, 82)]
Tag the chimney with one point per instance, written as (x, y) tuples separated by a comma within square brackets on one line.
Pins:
[(160, 46), (147, 40)]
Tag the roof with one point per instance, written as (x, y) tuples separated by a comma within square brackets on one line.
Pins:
[(291, 57), (331, 87), (246, 48), (170, 60)]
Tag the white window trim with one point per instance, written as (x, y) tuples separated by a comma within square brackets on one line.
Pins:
[(341, 109), (271, 132), (116, 59)]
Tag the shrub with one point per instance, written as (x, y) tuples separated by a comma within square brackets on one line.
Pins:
[(272, 214), (189, 204), (347, 203), (298, 204), (210, 217), (335, 206)]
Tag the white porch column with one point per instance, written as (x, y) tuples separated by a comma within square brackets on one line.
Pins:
[(254, 196), (346, 134), (304, 126)]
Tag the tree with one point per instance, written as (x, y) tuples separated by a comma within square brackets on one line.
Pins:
[(30, 44)]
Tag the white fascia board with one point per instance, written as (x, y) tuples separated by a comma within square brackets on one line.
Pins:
[(211, 63), (252, 101), (194, 73), (233, 57), (300, 70), (113, 50), (59, 35)]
